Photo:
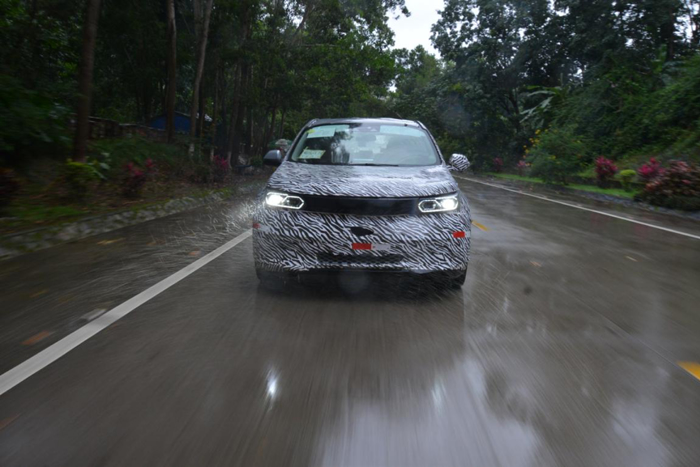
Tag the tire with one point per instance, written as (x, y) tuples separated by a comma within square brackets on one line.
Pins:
[(458, 281), (271, 281)]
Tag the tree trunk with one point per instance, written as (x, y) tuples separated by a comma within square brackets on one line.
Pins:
[(234, 114), (203, 35), (238, 136), (198, 19), (250, 123), (82, 122), (281, 132), (271, 130), (307, 13), (223, 107), (202, 113), (214, 117), (240, 74), (260, 133), (249, 129), (170, 94)]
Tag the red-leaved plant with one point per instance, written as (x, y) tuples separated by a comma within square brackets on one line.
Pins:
[(650, 171), (150, 166), (605, 170), (677, 188), (497, 164), (220, 169), (522, 167), (135, 178)]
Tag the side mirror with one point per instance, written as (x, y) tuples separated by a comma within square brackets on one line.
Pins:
[(273, 157), (459, 162)]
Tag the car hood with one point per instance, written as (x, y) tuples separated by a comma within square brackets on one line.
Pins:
[(362, 181)]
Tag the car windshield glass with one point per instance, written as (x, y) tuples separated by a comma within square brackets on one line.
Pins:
[(365, 144)]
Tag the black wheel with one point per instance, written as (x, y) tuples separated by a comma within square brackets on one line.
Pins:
[(270, 280), (456, 282)]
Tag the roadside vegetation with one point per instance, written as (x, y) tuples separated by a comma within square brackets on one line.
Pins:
[(622, 193), (602, 94), (569, 92), (226, 77)]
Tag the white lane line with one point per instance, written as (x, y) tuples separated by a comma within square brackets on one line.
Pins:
[(666, 229), (49, 355)]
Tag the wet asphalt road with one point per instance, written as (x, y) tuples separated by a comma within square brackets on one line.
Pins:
[(562, 349)]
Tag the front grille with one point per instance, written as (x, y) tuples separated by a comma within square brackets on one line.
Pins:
[(361, 206), (361, 259)]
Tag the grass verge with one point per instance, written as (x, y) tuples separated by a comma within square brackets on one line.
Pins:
[(589, 188), (31, 212)]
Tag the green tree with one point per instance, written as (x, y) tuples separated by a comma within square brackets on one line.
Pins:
[(82, 125)]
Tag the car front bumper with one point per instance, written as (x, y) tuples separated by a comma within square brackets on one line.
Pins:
[(299, 241)]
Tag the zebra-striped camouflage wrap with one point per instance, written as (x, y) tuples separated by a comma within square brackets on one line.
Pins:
[(459, 162), (291, 240), (368, 182), (297, 240)]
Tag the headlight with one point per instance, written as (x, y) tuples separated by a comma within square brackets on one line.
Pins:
[(441, 204), (283, 200)]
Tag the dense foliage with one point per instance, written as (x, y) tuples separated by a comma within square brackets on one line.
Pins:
[(79, 177), (538, 86), (626, 178), (270, 66), (622, 76), (678, 187), (556, 155)]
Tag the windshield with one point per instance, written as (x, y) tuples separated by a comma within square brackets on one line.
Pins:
[(365, 144)]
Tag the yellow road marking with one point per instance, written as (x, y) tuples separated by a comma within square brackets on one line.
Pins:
[(482, 227), (8, 421), (109, 242), (38, 294), (691, 367), (36, 338)]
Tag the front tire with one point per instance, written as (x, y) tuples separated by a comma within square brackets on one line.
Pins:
[(271, 281), (458, 281)]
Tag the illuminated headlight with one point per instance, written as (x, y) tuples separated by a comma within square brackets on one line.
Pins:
[(283, 200), (441, 204)]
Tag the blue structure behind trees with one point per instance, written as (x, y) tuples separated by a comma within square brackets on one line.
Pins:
[(182, 123)]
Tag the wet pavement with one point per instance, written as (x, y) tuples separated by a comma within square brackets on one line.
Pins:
[(561, 349)]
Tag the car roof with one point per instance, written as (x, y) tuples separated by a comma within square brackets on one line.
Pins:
[(338, 121)]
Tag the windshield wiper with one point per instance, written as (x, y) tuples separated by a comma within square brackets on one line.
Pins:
[(376, 165)]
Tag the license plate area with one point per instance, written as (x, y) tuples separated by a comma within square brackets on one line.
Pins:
[(360, 259), (371, 247)]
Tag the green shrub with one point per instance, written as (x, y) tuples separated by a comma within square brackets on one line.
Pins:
[(117, 153), (79, 177), (30, 122), (556, 154), (626, 177)]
